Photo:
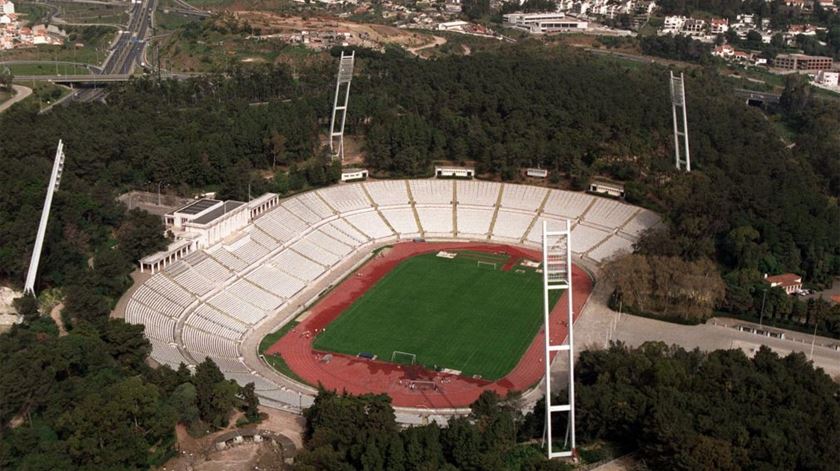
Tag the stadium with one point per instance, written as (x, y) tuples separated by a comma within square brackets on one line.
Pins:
[(427, 290)]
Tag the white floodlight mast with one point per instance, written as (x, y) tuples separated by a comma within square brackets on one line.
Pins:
[(345, 76), (55, 180), (557, 274), (678, 101)]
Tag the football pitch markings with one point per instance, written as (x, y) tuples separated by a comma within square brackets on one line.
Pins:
[(450, 313)]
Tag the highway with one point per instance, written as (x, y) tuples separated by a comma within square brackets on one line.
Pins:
[(126, 52)]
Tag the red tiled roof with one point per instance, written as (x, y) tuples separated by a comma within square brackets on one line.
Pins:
[(785, 279)]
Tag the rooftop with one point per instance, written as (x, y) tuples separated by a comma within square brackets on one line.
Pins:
[(785, 279), (198, 206), (210, 216)]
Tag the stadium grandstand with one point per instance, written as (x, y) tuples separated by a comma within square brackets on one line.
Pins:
[(217, 299)]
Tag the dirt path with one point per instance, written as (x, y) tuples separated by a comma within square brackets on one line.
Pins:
[(21, 93), (436, 41), (55, 313)]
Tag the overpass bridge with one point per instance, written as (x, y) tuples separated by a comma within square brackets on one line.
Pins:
[(87, 78), (758, 98)]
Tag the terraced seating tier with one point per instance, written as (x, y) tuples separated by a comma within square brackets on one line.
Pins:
[(388, 193)]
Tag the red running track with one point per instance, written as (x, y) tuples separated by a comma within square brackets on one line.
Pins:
[(359, 376)]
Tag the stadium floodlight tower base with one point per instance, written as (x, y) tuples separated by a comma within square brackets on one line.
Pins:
[(55, 180), (342, 83), (557, 275), (680, 131)]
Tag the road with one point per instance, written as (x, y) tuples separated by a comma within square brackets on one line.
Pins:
[(21, 93), (127, 50), (598, 325)]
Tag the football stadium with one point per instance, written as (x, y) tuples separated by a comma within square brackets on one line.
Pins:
[(427, 290)]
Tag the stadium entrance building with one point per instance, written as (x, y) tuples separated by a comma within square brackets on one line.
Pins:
[(203, 223)]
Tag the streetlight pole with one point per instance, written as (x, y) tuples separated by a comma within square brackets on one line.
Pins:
[(761, 317), (159, 184)]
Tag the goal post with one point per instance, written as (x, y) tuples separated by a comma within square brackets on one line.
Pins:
[(483, 264), (404, 358)]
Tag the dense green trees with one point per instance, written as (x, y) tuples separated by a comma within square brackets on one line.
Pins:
[(360, 432), (88, 400), (721, 410), (678, 409)]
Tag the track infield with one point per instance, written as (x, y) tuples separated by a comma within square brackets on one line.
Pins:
[(458, 313), (408, 386)]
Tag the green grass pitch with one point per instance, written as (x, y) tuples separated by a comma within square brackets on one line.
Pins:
[(448, 312)]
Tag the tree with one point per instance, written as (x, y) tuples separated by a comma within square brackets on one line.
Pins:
[(27, 306), (250, 403), (84, 304), (796, 96), (215, 395), (140, 234), (475, 9), (6, 78), (276, 146)]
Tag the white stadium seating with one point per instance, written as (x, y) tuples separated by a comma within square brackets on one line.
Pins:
[(204, 305), (213, 270), (474, 222), (297, 265), (371, 224), (170, 290), (275, 281), (643, 220), (608, 213), (478, 193), (554, 224), (568, 204), (227, 259), (275, 229), (511, 225), (315, 253), (296, 207), (199, 341), (168, 354), (345, 228), (237, 308), (331, 229), (612, 246), (286, 220), (431, 191), (436, 221), (312, 201), (585, 237), (402, 220), (261, 237), (345, 198), (194, 282), (261, 298), (524, 197), (388, 193), (329, 244), (157, 326)]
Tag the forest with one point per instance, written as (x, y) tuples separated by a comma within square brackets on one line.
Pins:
[(678, 409), (755, 203)]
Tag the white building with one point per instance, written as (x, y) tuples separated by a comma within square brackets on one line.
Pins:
[(673, 24), (7, 7), (828, 78), (718, 25), (452, 26), (541, 23)]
